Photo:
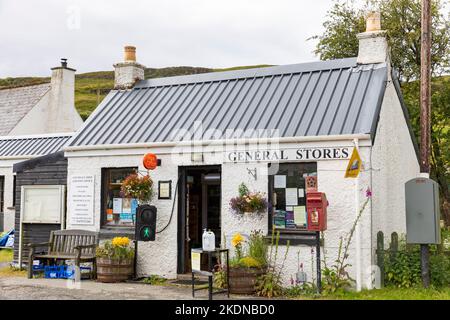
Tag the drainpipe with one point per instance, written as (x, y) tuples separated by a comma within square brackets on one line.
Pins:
[(357, 229)]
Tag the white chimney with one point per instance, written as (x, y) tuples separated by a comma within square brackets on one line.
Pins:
[(62, 115), (373, 47), (128, 72)]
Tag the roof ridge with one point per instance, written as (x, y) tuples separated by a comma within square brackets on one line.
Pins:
[(38, 136), (249, 73), (24, 86)]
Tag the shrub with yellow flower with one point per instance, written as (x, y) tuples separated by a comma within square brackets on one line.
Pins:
[(236, 242), (117, 248), (121, 242), (237, 239)]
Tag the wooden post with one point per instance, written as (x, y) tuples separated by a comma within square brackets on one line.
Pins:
[(425, 110), (380, 256), (318, 266), (393, 249)]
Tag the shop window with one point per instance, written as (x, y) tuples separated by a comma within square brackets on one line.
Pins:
[(287, 195), (2, 193), (116, 209)]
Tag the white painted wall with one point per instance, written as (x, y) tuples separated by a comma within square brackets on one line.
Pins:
[(55, 112), (35, 121), (6, 170), (61, 112), (160, 257), (394, 162)]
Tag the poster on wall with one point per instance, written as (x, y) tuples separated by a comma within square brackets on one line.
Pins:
[(81, 200)]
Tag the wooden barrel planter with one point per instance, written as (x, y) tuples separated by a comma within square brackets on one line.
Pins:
[(243, 280), (114, 270)]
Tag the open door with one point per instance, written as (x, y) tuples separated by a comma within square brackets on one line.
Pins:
[(199, 209)]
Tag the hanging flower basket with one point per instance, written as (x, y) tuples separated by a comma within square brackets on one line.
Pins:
[(248, 202), (138, 187)]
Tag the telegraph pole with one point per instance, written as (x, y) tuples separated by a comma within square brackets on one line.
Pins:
[(425, 123)]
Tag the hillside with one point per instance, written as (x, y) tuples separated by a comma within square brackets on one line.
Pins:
[(92, 87)]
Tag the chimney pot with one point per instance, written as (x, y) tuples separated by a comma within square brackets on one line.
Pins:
[(373, 22), (373, 47), (64, 62), (128, 72), (130, 54)]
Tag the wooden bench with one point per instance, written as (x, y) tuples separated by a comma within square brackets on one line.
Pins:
[(78, 245)]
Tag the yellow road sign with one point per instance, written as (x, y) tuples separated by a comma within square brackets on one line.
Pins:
[(354, 165)]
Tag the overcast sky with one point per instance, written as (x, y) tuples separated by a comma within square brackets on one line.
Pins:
[(207, 33)]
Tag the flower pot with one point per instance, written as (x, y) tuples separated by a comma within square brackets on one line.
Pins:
[(243, 280), (114, 270)]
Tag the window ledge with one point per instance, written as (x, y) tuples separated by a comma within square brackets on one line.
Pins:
[(111, 232)]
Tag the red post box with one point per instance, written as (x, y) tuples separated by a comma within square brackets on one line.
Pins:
[(316, 206)]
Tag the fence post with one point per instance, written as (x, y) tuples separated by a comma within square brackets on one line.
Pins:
[(393, 247), (380, 256)]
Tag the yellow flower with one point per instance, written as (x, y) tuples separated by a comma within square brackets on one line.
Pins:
[(237, 239), (120, 242)]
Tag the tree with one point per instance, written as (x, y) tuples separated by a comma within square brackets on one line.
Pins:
[(440, 132), (401, 20)]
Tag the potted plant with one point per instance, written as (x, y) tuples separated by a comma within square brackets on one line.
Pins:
[(115, 260), (138, 187), (248, 263), (248, 202)]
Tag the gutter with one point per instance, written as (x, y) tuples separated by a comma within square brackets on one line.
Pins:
[(231, 141)]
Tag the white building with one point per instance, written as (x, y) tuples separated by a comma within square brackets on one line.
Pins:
[(34, 121), (250, 126)]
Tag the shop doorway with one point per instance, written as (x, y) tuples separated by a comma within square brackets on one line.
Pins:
[(198, 209)]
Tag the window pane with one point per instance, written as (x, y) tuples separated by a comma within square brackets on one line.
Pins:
[(117, 210), (288, 195)]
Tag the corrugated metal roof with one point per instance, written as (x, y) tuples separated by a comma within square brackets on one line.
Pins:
[(32, 145), (15, 103), (309, 99)]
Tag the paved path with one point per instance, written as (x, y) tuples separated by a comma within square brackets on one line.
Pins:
[(48, 289)]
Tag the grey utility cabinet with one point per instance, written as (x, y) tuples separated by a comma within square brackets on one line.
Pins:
[(422, 211)]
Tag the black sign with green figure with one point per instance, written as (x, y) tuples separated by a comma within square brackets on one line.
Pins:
[(145, 223)]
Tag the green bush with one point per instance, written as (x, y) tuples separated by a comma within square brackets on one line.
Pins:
[(403, 269), (258, 248), (249, 262)]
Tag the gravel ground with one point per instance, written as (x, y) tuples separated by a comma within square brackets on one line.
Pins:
[(19, 288)]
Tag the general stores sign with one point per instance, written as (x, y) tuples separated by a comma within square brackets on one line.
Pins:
[(293, 154)]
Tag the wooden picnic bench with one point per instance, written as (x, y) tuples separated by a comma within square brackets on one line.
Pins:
[(78, 245)]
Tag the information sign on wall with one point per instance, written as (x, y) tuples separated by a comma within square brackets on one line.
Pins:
[(81, 200)]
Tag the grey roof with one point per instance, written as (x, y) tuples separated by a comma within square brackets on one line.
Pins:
[(15, 103), (32, 145), (320, 98)]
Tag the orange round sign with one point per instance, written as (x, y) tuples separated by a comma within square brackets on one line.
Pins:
[(150, 161)]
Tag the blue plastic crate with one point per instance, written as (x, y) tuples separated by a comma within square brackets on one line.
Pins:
[(62, 272), (39, 267), (53, 272)]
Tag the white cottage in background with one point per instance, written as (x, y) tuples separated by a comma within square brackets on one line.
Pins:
[(34, 120), (214, 131)]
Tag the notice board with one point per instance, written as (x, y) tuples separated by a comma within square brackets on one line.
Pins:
[(81, 200), (42, 204)]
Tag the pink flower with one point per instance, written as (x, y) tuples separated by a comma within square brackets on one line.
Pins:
[(368, 193)]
